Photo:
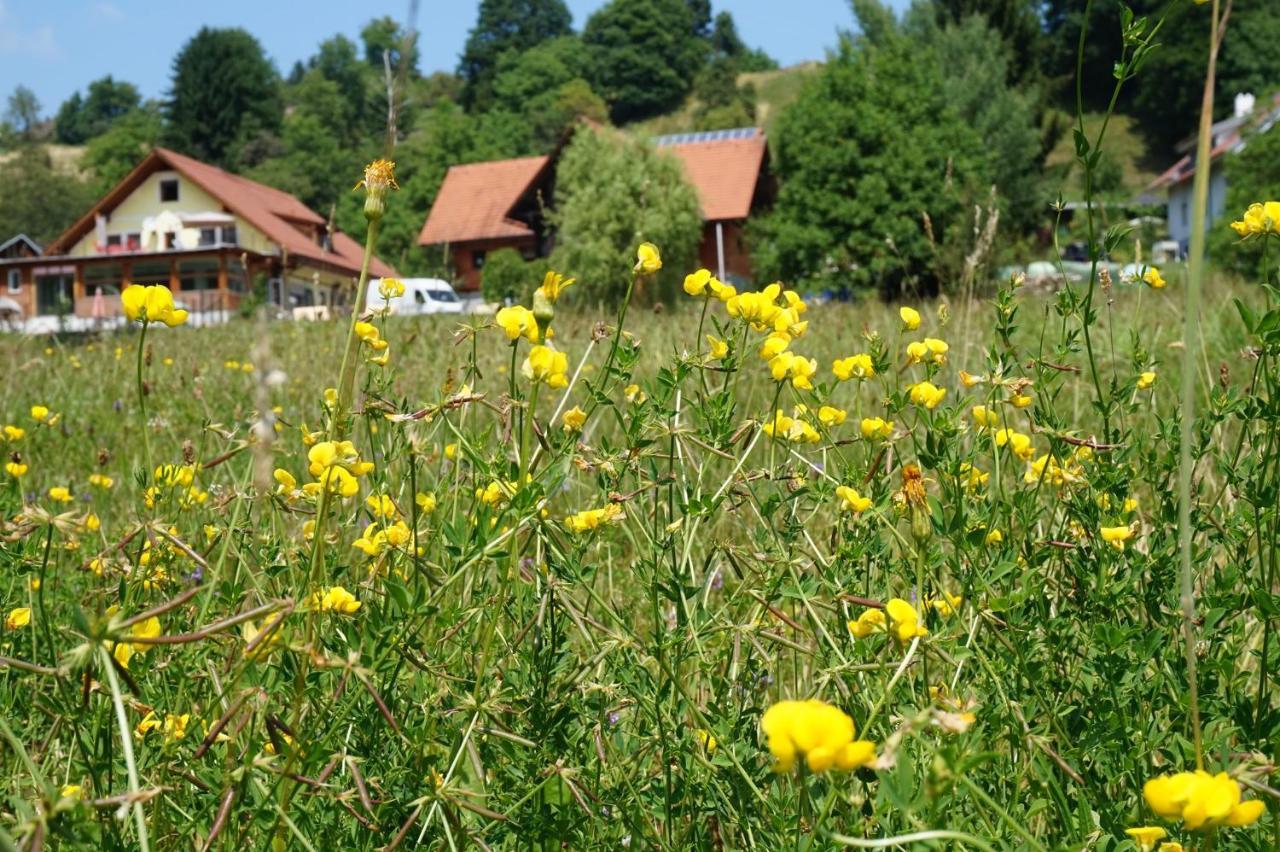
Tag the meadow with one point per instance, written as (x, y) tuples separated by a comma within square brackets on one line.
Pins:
[(548, 594)]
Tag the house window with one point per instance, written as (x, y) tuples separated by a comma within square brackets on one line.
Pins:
[(169, 189), (15, 280), (113, 241), (170, 240), (107, 278), (198, 274), (229, 235), (133, 242), (237, 276), (477, 259), (1184, 213), (208, 236), (54, 294)]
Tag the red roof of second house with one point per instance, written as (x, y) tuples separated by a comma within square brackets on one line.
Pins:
[(1228, 136), (275, 213), (475, 201)]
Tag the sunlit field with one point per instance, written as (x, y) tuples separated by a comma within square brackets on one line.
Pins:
[(554, 610)]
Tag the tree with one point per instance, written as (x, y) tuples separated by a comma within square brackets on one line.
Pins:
[(612, 193), (545, 85), (973, 63), (109, 100), (643, 56), (23, 111), (385, 36), (508, 277), (337, 61), (1016, 22), (315, 165), (113, 154), (224, 92), (39, 201), (503, 26), (725, 41), (870, 148)]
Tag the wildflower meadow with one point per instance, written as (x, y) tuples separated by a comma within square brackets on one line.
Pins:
[(729, 569)]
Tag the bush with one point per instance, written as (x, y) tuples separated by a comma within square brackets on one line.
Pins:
[(507, 277)]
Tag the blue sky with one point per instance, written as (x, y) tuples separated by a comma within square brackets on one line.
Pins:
[(57, 46)]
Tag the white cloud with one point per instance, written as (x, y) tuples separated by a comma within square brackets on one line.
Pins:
[(108, 11)]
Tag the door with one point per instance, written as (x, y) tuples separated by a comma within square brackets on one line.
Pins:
[(54, 294)]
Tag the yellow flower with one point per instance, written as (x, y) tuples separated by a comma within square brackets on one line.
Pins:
[(706, 740), (831, 416), (904, 620), (1153, 278), (851, 500), (719, 348), (426, 502), (153, 303), (1018, 443), (695, 283), (971, 477), (857, 366), (1146, 836), (1021, 400), (371, 542), (946, 605), (818, 732), (633, 394), (1201, 800), (876, 428), (451, 451), (39, 413), (147, 629), (516, 322), (70, 791), (175, 727), (335, 599), (871, 621), (573, 419), (92, 522), (553, 284), (931, 348), (379, 177), (994, 537), (1116, 536), (969, 380), (150, 722), (1259, 219), (546, 365), (927, 394), (381, 506), (249, 631), (799, 369), (592, 519), (15, 469), (774, 345), (60, 494), (648, 260), (14, 433), (984, 418), (1146, 380), (760, 309), (910, 318), (18, 618), (101, 480), (390, 288)]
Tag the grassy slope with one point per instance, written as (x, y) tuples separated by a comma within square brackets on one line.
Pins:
[(1124, 144), (774, 91)]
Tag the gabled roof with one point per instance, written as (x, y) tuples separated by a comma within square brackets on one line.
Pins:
[(17, 240), (277, 214), (476, 201), (723, 166), (1228, 137)]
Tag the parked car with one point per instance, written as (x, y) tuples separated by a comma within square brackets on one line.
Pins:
[(421, 296)]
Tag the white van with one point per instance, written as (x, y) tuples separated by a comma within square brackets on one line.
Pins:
[(421, 296)]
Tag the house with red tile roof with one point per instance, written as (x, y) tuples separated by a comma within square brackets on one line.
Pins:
[(204, 232), (482, 207)]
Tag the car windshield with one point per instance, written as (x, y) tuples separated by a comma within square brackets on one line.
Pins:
[(442, 296)]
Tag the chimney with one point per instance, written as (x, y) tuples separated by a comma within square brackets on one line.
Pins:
[(1244, 104)]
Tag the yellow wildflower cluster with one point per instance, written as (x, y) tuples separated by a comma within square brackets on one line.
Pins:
[(1259, 220), (1200, 800), (335, 599), (336, 466), (897, 616), (150, 304), (589, 520)]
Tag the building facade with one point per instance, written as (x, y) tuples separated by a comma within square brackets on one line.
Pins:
[(206, 233)]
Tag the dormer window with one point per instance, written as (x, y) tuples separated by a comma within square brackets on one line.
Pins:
[(169, 189)]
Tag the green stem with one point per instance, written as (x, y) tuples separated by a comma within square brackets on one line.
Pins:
[(126, 742), (347, 374), (1191, 340), (142, 403)]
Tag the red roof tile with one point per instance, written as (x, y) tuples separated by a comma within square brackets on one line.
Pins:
[(474, 201), (723, 171)]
